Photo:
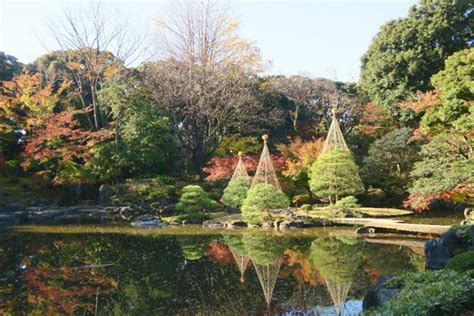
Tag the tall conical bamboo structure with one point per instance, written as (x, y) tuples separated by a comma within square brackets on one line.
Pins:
[(242, 262), (268, 275), (338, 292), (240, 170), (265, 171), (334, 139)]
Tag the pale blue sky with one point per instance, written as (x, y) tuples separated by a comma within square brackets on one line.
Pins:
[(317, 38)]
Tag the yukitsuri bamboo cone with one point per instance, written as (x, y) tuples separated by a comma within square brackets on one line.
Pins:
[(334, 139), (268, 275), (240, 170), (265, 171), (338, 292)]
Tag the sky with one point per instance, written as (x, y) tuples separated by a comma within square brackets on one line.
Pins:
[(315, 38)]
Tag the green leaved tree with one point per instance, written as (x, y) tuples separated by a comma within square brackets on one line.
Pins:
[(407, 52), (335, 175), (236, 191), (260, 200)]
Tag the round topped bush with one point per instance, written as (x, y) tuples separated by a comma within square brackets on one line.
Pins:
[(194, 199), (236, 191)]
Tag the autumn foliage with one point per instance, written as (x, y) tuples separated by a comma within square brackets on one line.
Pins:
[(60, 141), (374, 120), (223, 167)]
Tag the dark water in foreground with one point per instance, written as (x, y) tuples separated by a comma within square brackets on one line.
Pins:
[(180, 270)]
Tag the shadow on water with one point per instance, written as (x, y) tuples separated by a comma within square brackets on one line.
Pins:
[(109, 270)]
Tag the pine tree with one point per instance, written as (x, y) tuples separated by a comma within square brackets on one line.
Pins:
[(335, 175)]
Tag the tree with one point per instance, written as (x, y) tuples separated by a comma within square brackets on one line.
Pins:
[(445, 168), (24, 104), (60, 149), (144, 140), (9, 67), (407, 52), (92, 45), (260, 200), (312, 100), (299, 157), (236, 191), (194, 199), (390, 160), (205, 81), (445, 171), (456, 100), (335, 175)]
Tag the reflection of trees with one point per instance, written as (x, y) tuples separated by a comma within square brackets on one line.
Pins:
[(266, 252), (237, 247), (193, 247), (338, 260)]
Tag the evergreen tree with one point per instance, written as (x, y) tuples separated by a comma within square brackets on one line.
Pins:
[(262, 198), (236, 191), (335, 175)]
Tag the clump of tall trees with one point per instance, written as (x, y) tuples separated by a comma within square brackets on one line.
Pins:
[(82, 114)]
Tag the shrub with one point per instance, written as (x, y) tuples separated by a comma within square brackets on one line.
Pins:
[(236, 191), (194, 199), (261, 199), (335, 175), (421, 292), (462, 263), (346, 203)]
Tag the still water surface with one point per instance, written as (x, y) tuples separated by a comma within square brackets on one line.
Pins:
[(89, 270)]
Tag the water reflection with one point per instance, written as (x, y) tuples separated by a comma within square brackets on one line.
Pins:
[(240, 272)]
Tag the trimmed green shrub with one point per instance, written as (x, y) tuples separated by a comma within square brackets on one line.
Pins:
[(194, 199), (260, 200), (335, 175), (347, 203), (422, 292), (236, 191), (462, 263)]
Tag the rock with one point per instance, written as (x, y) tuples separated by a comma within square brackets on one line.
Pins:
[(436, 254), (266, 225), (377, 295), (148, 221), (253, 226), (14, 207), (235, 224), (212, 224), (174, 223), (105, 194)]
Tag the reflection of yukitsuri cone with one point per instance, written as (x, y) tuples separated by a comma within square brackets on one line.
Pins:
[(334, 139), (265, 172), (242, 262), (240, 170), (268, 275), (338, 292)]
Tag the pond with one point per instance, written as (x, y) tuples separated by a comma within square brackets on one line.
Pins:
[(102, 270)]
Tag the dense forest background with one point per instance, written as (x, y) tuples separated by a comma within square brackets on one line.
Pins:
[(81, 116)]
